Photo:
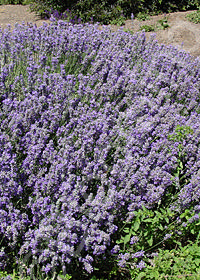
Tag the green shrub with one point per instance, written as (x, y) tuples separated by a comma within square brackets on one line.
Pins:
[(183, 263), (147, 28), (163, 231), (142, 16), (194, 17), (108, 11), (42, 6)]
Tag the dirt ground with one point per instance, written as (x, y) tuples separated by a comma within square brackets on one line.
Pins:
[(181, 32)]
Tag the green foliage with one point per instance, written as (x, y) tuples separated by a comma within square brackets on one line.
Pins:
[(163, 230), (17, 276), (147, 28), (163, 24), (112, 12), (183, 263), (157, 230), (194, 16), (142, 16), (43, 7), (14, 276), (65, 277), (118, 21), (128, 30), (106, 11), (181, 133), (160, 228)]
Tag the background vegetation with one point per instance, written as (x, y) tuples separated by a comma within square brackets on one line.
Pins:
[(106, 11)]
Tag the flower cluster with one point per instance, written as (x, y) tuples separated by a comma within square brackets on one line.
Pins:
[(88, 135)]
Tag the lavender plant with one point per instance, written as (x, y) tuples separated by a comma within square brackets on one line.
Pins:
[(87, 139)]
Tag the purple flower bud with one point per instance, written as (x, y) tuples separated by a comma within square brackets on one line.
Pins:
[(167, 236), (134, 239), (141, 265)]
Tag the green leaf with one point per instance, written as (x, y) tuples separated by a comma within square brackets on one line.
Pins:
[(167, 219), (181, 165), (126, 230), (136, 225), (148, 220), (141, 275), (127, 239), (154, 275), (120, 241), (150, 241), (160, 227), (197, 262), (178, 243)]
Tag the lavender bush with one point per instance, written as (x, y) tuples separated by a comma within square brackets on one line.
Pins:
[(94, 125)]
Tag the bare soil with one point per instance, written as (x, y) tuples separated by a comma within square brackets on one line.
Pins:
[(181, 32), (12, 14)]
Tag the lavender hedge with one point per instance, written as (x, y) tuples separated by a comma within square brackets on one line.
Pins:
[(93, 126)]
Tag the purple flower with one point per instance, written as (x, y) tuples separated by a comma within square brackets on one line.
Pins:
[(167, 236), (194, 218), (88, 135), (138, 254), (141, 265), (134, 240)]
